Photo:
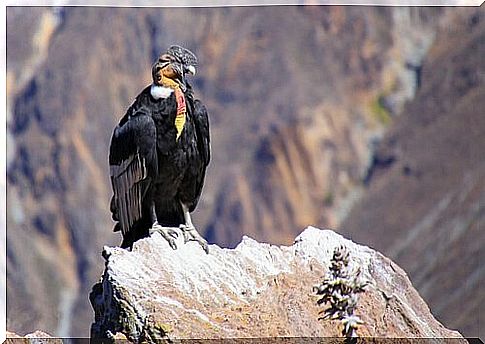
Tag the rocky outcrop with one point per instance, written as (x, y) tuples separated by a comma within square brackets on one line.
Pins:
[(36, 337), (254, 290)]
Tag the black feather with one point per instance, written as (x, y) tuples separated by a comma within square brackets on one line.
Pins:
[(149, 164)]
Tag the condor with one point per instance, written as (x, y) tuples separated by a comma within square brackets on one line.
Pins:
[(158, 155)]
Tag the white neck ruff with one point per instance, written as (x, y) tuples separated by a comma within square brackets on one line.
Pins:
[(159, 92)]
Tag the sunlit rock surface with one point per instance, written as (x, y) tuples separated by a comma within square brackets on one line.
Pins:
[(36, 337), (254, 290)]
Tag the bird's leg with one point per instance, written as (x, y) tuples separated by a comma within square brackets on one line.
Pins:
[(189, 231), (169, 233)]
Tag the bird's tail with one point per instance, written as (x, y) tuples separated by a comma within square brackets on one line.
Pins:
[(138, 231)]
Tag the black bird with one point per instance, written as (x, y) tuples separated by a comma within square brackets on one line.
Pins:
[(158, 155)]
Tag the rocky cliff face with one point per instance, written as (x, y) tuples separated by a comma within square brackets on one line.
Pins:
[(425, 208), (254, 290), (298, 96), (338, 88)]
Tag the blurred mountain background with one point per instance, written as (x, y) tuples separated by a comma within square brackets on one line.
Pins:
[(368, 120)]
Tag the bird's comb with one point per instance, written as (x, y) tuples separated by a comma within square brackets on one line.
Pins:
[(184, 55)]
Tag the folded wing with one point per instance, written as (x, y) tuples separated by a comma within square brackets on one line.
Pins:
[(133, 165)]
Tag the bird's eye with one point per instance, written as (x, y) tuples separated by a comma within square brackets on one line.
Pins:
[(160, 66)]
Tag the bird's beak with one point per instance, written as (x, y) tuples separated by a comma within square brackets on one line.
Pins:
[(191, 70)]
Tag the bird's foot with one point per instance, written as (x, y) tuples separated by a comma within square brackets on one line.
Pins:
[(169, 233), (191, 234)]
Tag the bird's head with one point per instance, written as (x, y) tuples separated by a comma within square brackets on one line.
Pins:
[(172, 66)]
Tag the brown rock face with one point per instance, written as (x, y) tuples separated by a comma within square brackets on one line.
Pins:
[(426, 208), (254, 290), (302, 163)]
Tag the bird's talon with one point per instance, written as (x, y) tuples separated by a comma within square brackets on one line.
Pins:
[(205, 247), (172, 244), (191, 234), (173, 233), (168, 233)]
